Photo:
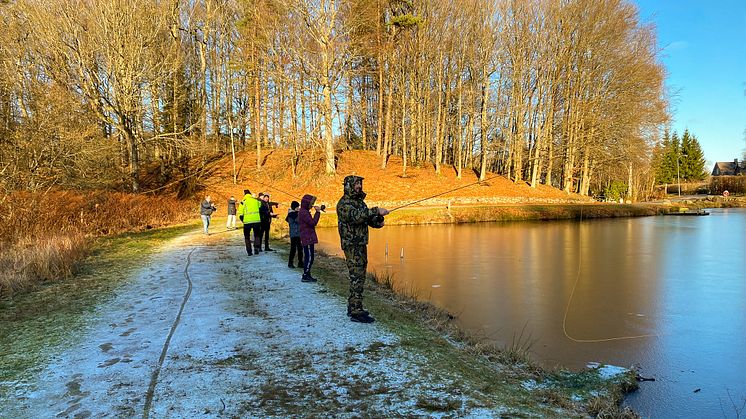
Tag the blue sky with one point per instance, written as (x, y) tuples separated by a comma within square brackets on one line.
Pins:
[(704, 52)]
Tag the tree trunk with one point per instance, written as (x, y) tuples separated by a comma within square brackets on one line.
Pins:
[(438, 139), (387, 129), (404, 125), (483, 126), (459, 122), (327, 118)]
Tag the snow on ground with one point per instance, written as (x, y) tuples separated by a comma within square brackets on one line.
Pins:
[(607, 371), (253, 340)]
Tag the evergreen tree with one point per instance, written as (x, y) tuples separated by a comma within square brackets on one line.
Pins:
[(692, 158), (673, 155), (666, 162)]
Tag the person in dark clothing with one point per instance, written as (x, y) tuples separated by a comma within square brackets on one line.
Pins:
[(308, 237), (205, 211), (295, 247), (267, 214), (231, 222), (354, 218), (248, 212)]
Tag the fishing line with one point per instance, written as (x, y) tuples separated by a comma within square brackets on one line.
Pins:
[(157, 371), (572, 293), (443, 193)]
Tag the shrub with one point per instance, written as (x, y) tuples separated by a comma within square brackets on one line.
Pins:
[(732, 184), (44, 235), (615, 190)]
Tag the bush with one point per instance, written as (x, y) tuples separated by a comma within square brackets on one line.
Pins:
[(44, 236), (615, 190), (732, 184), (689, 188), (30, 261)]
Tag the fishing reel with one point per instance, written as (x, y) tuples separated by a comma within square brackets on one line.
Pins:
[(323, 208), (376, 221)]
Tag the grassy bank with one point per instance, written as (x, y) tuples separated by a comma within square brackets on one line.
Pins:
[(50, 318), (506, 374), (44, 237)]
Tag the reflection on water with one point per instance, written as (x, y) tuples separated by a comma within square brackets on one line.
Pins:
[(681, 280)]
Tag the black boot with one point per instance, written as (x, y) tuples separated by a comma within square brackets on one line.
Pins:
[(349, 311), (307, 278), (290, 265), (362, 317)]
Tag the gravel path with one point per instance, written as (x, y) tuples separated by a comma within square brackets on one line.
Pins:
[(251, 340)]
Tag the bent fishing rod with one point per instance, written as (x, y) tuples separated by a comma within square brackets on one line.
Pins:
[(323, 207), (444, 193)]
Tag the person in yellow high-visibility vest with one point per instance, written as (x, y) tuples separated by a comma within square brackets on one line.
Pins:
[(248, 213)]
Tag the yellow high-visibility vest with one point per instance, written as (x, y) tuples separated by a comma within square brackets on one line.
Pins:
[(249, 208)]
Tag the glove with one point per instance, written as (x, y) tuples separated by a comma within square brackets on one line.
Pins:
[(240, 217), (376, 221)]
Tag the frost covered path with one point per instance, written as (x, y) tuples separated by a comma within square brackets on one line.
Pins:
[(252, 340)]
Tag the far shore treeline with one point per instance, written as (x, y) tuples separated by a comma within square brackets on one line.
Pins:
[(563, 93)]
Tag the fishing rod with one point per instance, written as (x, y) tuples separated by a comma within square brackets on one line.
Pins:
[(443, 193), (323, 207)]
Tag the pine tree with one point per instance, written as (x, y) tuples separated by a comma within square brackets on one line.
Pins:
[(692, 158), (666, 159), (663, 171)]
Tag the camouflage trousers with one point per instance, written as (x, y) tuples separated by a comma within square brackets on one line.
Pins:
[(357, 263)]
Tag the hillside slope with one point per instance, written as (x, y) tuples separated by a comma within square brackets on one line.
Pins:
[(383, 186)]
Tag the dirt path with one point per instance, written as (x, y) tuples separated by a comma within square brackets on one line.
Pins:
[(251, 340)]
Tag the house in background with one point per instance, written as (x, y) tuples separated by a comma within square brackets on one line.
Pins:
[(729, 168)]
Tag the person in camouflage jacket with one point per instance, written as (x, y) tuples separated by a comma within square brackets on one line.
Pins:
[(354, 218)]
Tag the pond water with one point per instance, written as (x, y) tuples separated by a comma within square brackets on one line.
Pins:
[(665, 294)]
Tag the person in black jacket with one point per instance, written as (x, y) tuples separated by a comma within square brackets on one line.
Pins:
[(267, 214), (295, 247)]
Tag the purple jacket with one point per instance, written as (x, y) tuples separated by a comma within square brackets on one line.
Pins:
[(306, 222)]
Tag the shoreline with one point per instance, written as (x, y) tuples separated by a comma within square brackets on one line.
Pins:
[(404, 311), (490, 379), (459, 214)]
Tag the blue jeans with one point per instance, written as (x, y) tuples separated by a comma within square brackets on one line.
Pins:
[(205, 222)]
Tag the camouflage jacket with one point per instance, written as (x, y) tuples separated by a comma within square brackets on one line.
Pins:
[(354, 216)]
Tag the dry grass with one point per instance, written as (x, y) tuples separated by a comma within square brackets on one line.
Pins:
[(606, 408), (518, 352), (44, 236), (30, 261)]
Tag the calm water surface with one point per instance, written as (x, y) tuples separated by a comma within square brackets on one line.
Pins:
[(678, 282)]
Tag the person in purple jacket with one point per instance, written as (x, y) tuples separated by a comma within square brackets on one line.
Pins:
[(308, 239)]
